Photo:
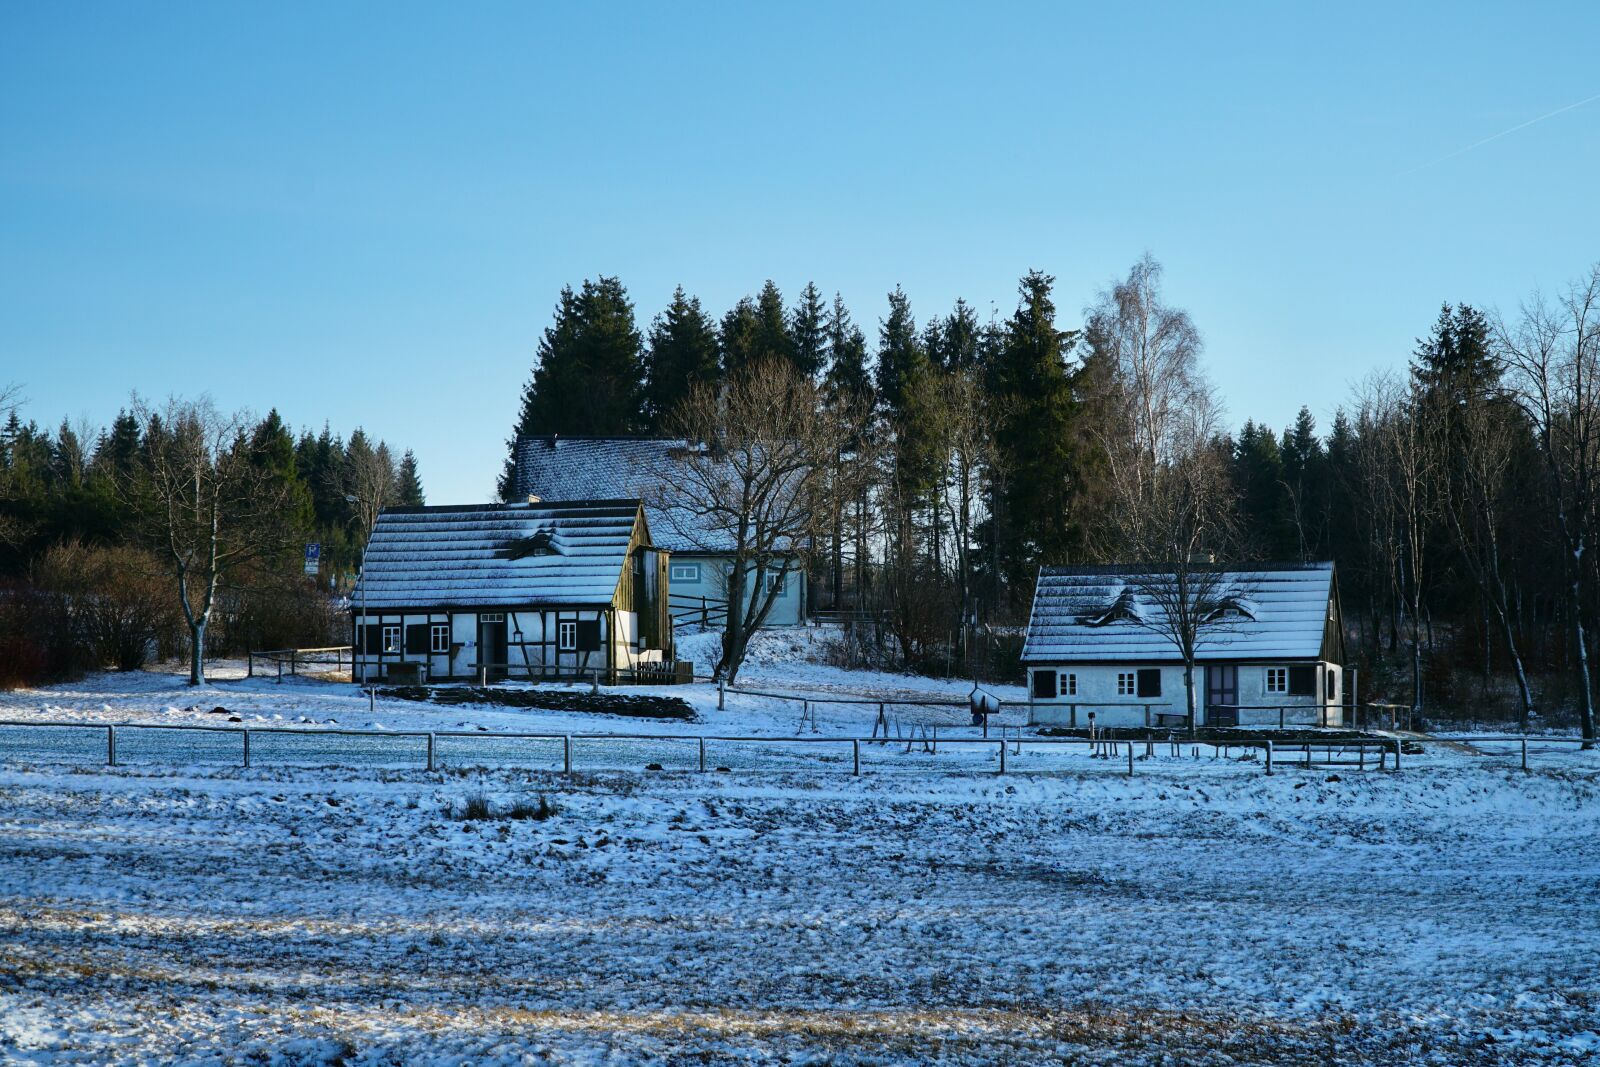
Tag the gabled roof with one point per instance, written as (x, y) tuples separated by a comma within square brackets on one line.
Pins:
[(497, 555), (1099, 614), (572, 468)]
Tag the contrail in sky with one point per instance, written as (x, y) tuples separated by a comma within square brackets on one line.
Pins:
[(1497, 136)]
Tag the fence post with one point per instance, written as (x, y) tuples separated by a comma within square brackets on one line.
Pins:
[(430, 751), (936, 736), (247, 746), (1524, 751), (1130, 757), (702, 755), (293, 666), (1397, 753), (250, 668), (1269, 757), (566, 754), (1002, 756), (855, 755), (111, 746), (280, 670), (722, 695), (1280, 716)]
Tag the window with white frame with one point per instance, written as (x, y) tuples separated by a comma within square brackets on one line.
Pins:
[(1277, 679), (566, 637), (439, 637), (686, 572), (1070, 686), (775, 581), (493, 616), (391, 639), (1127, 683)]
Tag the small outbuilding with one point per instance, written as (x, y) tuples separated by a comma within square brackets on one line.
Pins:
[(549, 590), (1271, 649)]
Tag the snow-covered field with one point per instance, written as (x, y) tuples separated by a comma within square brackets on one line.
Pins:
[(1196, 913)]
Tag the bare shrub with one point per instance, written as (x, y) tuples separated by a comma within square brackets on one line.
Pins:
[(117, 600)]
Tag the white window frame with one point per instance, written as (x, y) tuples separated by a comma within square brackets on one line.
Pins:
[(778, 580), (1071, 687), (1127, 683), (1277, 680), (438, 637), (567, 636), (389, 638), (685, 572), (493, 616)]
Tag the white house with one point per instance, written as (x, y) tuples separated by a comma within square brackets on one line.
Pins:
[(552, 590), (1274, 651), (560, 467)]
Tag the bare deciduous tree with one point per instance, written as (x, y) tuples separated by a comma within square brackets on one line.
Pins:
[(212, 509), (1484, 434), (1553, 354), (756, 482)]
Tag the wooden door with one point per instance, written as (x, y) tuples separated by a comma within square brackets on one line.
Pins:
[(492, 644), (1222, 696)]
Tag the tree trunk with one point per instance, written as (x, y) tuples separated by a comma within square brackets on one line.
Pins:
[(1188, 696), (1516, 665), (197, 652), (1586, 709)]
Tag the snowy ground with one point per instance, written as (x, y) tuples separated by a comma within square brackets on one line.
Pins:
[(1198, 912)]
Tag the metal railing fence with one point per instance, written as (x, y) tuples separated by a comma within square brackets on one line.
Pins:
[(298, 658)]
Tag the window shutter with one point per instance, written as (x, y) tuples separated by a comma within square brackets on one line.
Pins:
[(418, 639), (1150, 682), (588, 635), (371, 639), (1044, 685), (1303, 681)]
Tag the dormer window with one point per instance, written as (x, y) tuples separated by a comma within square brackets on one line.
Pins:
[(1120, 609)]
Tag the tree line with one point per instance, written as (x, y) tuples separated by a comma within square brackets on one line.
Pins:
[(178, 529), (1456, 493)]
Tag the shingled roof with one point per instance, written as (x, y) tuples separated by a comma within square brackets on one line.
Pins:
[(497, 555), (1097, 614), (574, 468)]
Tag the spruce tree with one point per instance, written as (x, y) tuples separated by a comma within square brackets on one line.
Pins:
[(899, 351), (847, 375), (409, 492), (772, 338), (682, 353), (738, 337), (1044, 453), (588, 376), (809, 332)]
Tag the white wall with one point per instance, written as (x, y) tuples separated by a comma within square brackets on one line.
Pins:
[(1097, 692)]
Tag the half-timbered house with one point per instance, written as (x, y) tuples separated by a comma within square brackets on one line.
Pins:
[(572, 589)]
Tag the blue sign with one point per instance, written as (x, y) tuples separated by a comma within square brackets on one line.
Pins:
[(313, 552)]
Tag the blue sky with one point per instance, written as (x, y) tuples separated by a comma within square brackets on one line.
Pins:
[(364, 213)]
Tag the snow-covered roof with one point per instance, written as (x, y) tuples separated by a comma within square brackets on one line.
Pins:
[(497, 555), (573, 468), (1104, 614)]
